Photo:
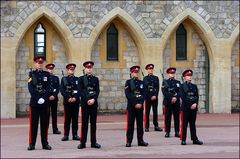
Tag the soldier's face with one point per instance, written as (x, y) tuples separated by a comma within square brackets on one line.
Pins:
[(188, 78), (171, 75), (135, 74), (71, 71), (39, 65), (88, 70), (50, 71), (150, 71)]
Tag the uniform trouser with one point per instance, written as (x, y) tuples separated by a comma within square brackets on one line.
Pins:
[(71, 114), (154, 105), (88, 112), (170, 109), (53, 106), (188, 116), (131, 115), (34, 114)]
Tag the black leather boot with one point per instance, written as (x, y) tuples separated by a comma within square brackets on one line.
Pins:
[(197, 142), (65, 138), (81, 146), (47, 147), (128, 144), (167, 135), (75, 137), (157, 129), (56, 131), (183, 143), (31, 147), (96, 145), (142, 143)]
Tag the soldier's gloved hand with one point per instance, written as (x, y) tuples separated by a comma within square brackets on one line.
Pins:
[(41, 101), (194, 106), (138, 106)]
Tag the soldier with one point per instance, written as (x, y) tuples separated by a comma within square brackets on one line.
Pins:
[(39, 88), (189, 107), (70, 91), (152, 86), (135, 93), (171, 102), (89, 87), (54, 86)]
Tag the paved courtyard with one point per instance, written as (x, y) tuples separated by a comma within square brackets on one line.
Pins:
[(219, 132)]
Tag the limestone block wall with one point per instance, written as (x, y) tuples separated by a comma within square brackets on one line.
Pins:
[(22, 94), (80, 22), (235, 75), (60, 61), (199, 69), (152, 16), (112, 80)]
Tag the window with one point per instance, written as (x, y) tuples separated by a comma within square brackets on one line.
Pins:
[(39, 41), (112, 43), (181, 43)]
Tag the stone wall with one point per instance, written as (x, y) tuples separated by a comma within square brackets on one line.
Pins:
[(60, 61), (199, 69), (22, 94), (235, 76), (152, 16), (112, 80)]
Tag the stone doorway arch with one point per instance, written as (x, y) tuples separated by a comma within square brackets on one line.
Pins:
[(57, 22), (207, 36), (131, 25), (113, 76), (9, 99)]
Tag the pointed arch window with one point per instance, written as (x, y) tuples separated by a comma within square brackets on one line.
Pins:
[(112, 43), (39, 41), (181, 43)]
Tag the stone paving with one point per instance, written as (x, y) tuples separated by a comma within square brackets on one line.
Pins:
[(219, 132)]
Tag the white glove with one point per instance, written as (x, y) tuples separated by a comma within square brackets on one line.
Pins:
[(41, 101)]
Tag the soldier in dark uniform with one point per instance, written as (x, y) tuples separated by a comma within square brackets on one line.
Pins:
[(70, 91), (189, 107), (171, 102), (89, 87), (39, 88), (152, 87), (135, 93), (54, 89)]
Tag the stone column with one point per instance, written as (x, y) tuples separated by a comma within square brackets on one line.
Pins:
[(220, 78), (153, 51), (8, 78)]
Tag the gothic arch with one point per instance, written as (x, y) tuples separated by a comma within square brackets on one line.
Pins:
[(132, 26), (204, 32), (234, 36), (207, 34), (57, 22)]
